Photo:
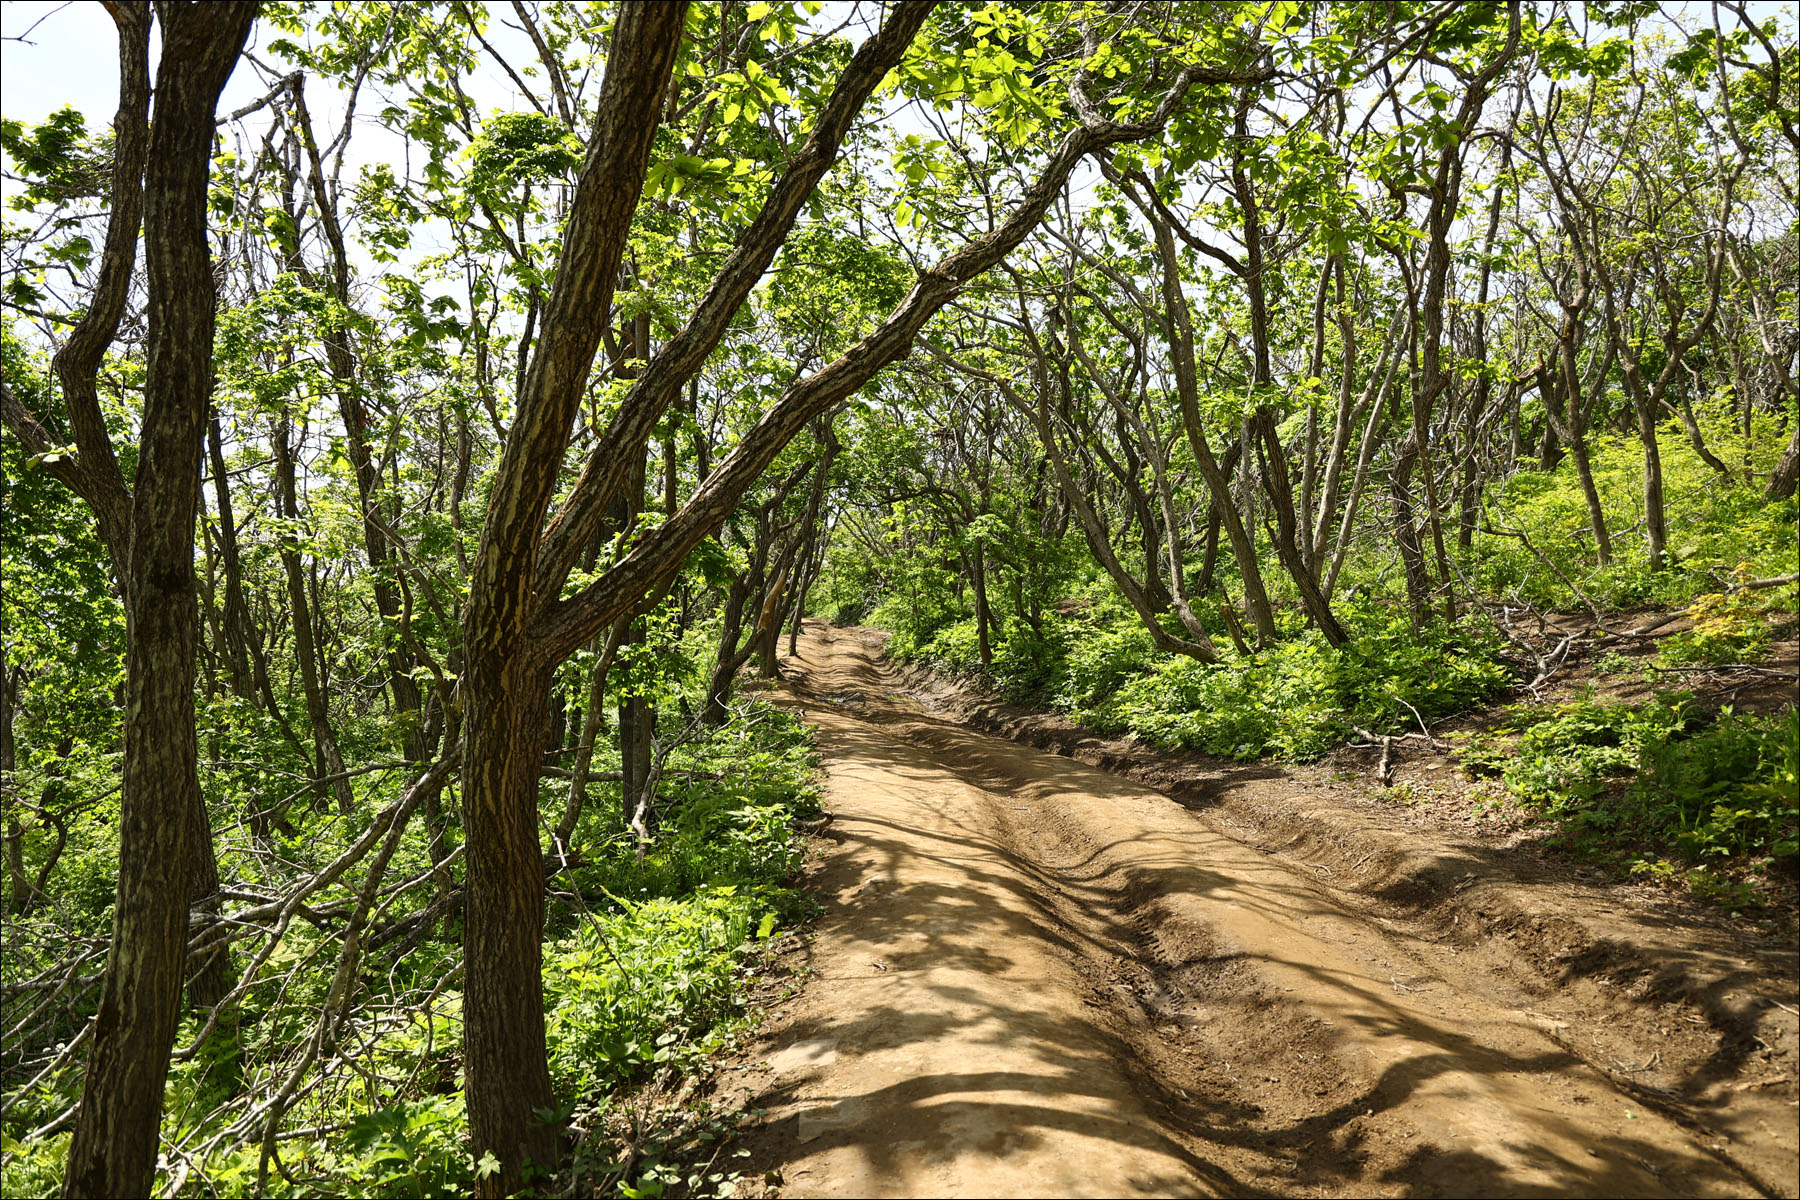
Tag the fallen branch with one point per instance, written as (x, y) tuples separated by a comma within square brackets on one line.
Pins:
[(1753, 669), (1546, 664)]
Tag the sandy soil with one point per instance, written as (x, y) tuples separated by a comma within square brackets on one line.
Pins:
[(1036, 977)]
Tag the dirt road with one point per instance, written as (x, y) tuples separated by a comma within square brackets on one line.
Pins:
[(1035, 978)]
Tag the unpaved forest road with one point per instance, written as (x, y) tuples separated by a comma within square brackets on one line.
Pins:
[(1035, 978)]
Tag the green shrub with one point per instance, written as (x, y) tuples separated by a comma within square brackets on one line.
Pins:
[(1728, 628), (1567, 752), (33, 1168), (408, 1148), (1298, 698), (1732, 789), (1649, 782), (1106, 648), (635, 987), (1715, 525), (649, 977)]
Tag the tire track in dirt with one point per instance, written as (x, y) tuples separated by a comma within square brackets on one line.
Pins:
[(1036, 978)]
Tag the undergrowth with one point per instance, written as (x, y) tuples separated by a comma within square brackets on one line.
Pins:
[(1716, 525), (1729, 627), (1294, 700), (1665, 788), (647, 950)]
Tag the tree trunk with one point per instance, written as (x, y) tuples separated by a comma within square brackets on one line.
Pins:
[(22, 890), (593, 723), (503, 900), (1550, 447), (1406, 531), (1434, 378), (728, 659), (983, 647), (637, 727), (1787, 471), (1584, 473), (1318, 608), (1656, 529), (1187, 385), (1360, 479), (1689, 423), (1262, 422), (236, 611), (342, 364), (240, 625), (506, 674), (209, 976), (114, 1149), (329, 762), (1469, 489)]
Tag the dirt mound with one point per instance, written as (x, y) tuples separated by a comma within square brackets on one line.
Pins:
[(1035, 977)]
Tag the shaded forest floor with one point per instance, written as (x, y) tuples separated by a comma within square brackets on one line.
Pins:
[(1058, 964)]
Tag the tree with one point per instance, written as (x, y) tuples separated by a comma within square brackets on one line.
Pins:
[(515, 633), (114, 1149)]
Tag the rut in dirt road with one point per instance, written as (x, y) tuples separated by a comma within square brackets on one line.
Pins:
[(1036, 978)]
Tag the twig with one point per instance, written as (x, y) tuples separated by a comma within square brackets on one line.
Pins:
[(1386, 767), (1423, 727)]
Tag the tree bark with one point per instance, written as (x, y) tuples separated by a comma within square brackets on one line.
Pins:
[(113, 1152), (506, 679), (1787, 471), (1287, 533), (235, 621), (983, 645)]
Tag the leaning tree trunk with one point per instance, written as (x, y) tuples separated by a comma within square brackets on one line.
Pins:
[(1584, 475), (515, 641), (113, 1152), (1656, 529)]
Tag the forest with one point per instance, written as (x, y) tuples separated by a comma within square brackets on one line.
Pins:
[(431, 431)]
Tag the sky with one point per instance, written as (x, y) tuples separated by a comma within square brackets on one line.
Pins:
[(58, 53), (64, 52), (69, 57)]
